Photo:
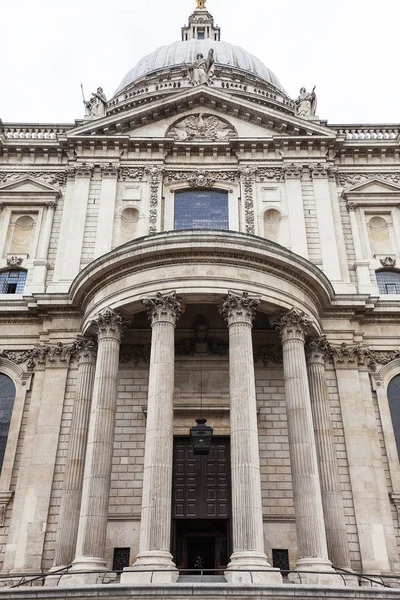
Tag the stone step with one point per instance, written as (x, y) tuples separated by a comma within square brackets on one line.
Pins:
[(199, 579)]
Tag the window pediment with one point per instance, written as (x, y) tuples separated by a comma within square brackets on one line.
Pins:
[(19, 190), (373, 191)]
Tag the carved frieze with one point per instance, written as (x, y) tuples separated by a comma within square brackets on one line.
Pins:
[(134, 352), (131, 173), (202, 127), (201, 178), (271, 174), (57, 178), (269, 354), (350, 179)]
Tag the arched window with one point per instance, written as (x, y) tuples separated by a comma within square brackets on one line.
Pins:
[(388, 281), (393, 393), (201, 209), (12, 282), (7, 396)]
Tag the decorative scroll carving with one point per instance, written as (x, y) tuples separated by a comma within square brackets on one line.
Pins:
[(166, 307), (19, 356), (131, 173), (249, 177), (294, 323), (52, 178), (202, 127), (135, 352), (388, 261), (5, 499), (14, 261), (239, 308), (269, 354), (201, 178), (350, 357), (155, 178), (108, 323)]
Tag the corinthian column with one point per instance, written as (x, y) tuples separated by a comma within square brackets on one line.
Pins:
[(155, 526), (97, 475), (311, 539), (332, 501), (248, 535), (72, 493)]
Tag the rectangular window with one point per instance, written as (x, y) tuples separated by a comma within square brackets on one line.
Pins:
[(11, 288), (201, 209), (280, 560), (200, 34), (121, 558)]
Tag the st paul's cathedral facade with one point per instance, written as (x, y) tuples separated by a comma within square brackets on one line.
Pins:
[(200, 248)]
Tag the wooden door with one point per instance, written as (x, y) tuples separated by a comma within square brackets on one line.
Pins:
[(201, 484)]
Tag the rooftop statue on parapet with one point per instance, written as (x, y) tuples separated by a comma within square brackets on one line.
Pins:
[(306, 103), (97, 105), (202, 70)]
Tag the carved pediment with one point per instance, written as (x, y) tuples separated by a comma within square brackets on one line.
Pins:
[(202, 127), (17, 187), (373, 190)]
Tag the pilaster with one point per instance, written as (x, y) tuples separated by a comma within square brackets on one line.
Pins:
[(108, 195), (298, 235)]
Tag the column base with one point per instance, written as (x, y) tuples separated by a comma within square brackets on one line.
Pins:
[(84, 563), (329, 577), (151, 567), (251, 567)]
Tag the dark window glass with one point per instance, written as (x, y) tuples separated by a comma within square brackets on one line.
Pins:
[(280, 559), (201, 35), (7, 395), (201, 209), (393, 393), (388, 282), (12, 282), (121, 558)]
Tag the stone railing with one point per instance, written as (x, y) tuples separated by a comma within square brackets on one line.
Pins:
[(366, 132), (32, 132)]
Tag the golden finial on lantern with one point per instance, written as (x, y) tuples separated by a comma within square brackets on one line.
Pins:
[(201, 3)]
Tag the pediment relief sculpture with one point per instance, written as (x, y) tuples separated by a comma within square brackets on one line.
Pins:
[(202, 127)]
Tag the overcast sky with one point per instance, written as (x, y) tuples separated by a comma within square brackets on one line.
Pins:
[(348, 48)]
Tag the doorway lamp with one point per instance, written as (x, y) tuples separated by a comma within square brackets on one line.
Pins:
[(201, 434)]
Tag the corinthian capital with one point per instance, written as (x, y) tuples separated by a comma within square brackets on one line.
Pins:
[(239, 308), (85, 349), (164, 308), (294, 324), (318, 350), (108, 323)]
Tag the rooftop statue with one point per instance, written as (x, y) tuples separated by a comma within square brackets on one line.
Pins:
[(306, 103), (202, 70), (201, 3), (97, 105)]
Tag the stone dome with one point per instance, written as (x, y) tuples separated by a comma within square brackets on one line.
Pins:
[(185, 52)]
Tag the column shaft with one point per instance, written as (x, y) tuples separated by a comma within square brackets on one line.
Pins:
[(155, 527), (72, 493), (332, 501), (311, 539), (248, 529), (97, 476)]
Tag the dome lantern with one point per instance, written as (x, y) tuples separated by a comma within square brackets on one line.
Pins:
[(201, 25)]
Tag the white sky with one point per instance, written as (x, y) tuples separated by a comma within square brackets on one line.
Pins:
[(348, 48)]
